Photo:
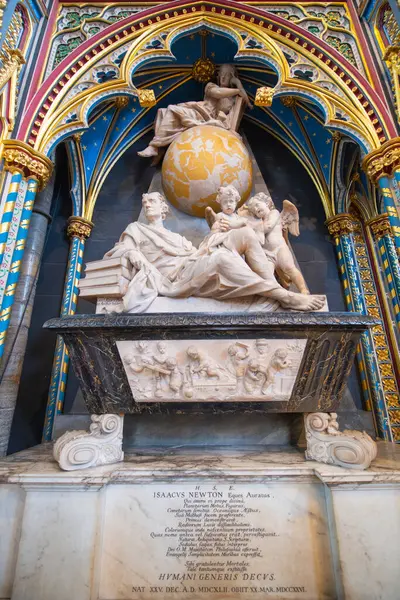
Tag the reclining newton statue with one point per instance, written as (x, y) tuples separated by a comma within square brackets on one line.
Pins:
[(232, 261)]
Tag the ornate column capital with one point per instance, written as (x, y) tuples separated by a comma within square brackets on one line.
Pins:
[(380, 226), (18, 156), (383, 161), (340, 224), (79, 227)]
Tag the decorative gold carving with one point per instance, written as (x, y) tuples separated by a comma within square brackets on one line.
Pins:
[(79, 227), (383, 161), (11, 64), (203, 70), (340, 225), (18, 155), (147, 98), (392, 400), (389, 385), (3, 4), (363, 262), (380, 340), (380, 226), (394, 417), (383, 354), (392, 59), (122, 101), (386, 370), (336, 136), (289, 101), (264, 96)]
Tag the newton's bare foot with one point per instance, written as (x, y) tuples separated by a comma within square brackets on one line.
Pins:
[(303, 302), (148, 152)]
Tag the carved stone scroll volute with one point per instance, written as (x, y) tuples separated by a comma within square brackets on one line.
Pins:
[(326, 444)]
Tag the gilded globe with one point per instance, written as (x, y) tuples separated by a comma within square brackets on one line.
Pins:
[(201, 160)]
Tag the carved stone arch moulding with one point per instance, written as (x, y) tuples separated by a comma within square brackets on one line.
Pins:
[(351, 105)]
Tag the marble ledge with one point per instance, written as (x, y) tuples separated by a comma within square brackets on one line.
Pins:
[(36, 468)]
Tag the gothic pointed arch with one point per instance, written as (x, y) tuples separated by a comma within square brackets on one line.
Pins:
[(348, 101)]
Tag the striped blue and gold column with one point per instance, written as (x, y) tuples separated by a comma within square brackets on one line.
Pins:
[(8, 210), (383, 169), (382, 233), (78, 231), (341, 228), (15, 267), (32, 169)]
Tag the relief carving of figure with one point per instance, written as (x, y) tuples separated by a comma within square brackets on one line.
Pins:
[(201, 365), (279, 361), (272, 228), (206, 370), (216, 109), (167, 264), (253, 377), (238, 354)]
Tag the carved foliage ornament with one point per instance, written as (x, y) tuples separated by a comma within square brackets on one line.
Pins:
[(203, 70), (79, 227), (380, 226), (384, 161), (264, 96), (12, 63), (147, 98), (18, 155), (340, 225)]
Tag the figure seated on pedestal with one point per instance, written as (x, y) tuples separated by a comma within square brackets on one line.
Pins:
[(217, 108), (167, 264)]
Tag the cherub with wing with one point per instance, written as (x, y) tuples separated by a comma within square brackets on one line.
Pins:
[(221, 223), (273, 228)]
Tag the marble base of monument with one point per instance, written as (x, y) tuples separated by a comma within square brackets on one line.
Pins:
[(102, 444), (190, 526)]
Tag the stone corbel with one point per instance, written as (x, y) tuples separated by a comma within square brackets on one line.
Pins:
[(20, 156), (326, 444), (101, 445)]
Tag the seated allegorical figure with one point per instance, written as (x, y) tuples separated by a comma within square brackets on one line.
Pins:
[(216, 109), (167, 264)]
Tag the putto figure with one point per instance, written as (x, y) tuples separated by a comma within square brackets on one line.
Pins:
[(272, 228), (216, 109), (221, 223)]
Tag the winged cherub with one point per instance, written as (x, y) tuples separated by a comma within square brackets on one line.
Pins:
[(272, 227), (221, 223)]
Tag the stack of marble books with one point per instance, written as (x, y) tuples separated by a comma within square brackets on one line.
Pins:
[(108, 278)]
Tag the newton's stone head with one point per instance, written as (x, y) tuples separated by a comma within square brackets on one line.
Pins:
[(155, 206)]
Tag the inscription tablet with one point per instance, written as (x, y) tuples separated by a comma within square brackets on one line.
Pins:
[(200, 542)]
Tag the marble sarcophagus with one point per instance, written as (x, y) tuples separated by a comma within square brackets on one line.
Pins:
[(198, 363)]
